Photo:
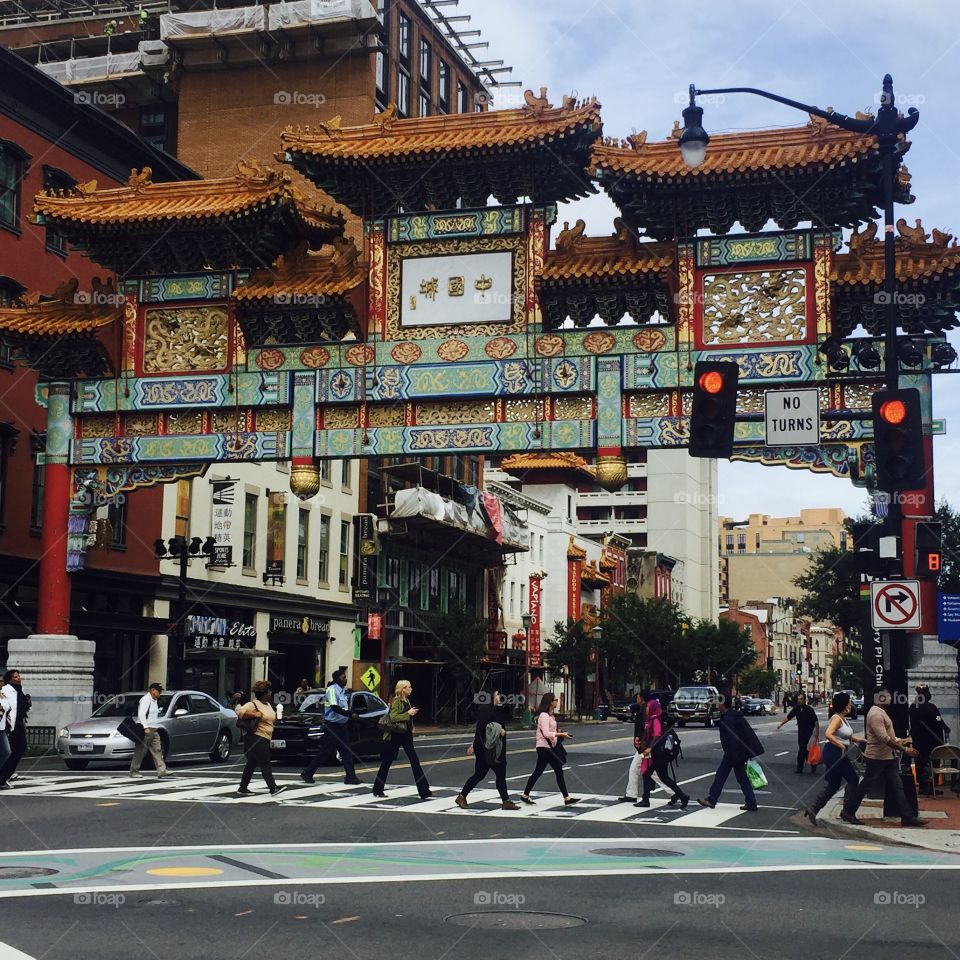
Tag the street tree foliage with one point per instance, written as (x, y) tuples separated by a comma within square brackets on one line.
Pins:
[(642, 639), (830, 590), (950, 548), (462, 638), (718, 652), (848, 673), (758, 680)]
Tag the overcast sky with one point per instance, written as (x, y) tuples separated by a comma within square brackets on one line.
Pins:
[(639, 58)]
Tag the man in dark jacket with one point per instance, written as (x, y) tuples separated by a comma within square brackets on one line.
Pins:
[(487, 713), (927, 730), (739, 744)]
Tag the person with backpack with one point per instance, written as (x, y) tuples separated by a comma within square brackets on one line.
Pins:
[(550, 751), (397, 733), (660, 750), (739, 743), (638, 713), (489, 750), (256, 719)]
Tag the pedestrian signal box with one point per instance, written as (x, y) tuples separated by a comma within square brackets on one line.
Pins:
[(927, 543)]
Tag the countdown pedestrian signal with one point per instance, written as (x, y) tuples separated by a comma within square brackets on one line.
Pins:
[(898, 440), (927, 541), (714, 412)]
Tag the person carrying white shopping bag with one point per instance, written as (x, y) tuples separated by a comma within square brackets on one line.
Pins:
[(740, 744)]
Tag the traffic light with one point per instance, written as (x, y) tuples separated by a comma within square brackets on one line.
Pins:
[(927, 538), (898, 440), (714, 412), (865, 547)]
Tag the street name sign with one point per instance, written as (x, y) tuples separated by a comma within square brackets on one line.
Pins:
[(792, 417), (895, 604)]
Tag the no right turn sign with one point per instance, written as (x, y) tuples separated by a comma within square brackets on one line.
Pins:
[(895, 604)]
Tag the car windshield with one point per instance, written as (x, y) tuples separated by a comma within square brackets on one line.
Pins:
[(126, 705), (693, 693)]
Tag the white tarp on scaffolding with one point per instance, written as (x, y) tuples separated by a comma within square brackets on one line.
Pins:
[(299, 13), (420, 502), (85, 69), (204, 23)]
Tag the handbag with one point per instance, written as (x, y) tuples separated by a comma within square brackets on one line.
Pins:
[(249, 722), (560, 751), (815, 754), (387, 726), (131, 729)]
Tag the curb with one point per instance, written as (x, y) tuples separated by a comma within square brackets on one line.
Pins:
[(918, 837)]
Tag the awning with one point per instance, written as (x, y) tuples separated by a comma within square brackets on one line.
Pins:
[(211, 653)]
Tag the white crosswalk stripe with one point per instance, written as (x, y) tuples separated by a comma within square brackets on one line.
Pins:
[(483, 802)]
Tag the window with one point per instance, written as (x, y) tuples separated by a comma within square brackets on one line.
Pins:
[(347, 474), (276, 536), (36, 498), (382, 97), (433, 589), (10, 291), (426, 64), (13, 168), (729, 543), (250, 531), (303, 535), (454, 589), (325, 470), (54, 179), (424, 105), (392, 572), (473, 471), (403, 92), (741, 543), (200, 704), (153, 126), (416, 578), (117, 518), (443, 87), (184, 492), (324, 565), (344, 578), (463, 105), (404, 33), (513, 604), (756, 542), (541, 548)]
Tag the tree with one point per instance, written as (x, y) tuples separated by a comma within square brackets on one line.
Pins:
[(950, 548), (571, 648), (848, 673), (831, 590), (461, 636), (718, 651), (640, 639), (758, 680)]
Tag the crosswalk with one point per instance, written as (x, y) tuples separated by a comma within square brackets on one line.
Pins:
[(484, 802)]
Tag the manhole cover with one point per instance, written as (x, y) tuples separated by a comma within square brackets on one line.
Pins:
[(638, 853), (25, 873), (516, 920)]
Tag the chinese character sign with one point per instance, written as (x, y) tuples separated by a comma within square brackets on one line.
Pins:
[(221, 521), (533, 638), (469, 288)]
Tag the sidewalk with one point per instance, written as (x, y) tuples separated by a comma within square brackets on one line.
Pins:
[(941, 834)]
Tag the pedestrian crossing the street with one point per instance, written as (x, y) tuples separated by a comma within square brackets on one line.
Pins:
[(483, 801)]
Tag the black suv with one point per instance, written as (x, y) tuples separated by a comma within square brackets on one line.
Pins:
[(695, 705)]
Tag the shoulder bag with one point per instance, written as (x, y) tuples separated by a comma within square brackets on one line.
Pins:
[(249, 722)]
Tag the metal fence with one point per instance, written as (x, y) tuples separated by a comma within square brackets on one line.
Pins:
[(41, 736)]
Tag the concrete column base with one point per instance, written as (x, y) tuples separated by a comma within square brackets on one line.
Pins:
[(938, 669), (57, 673)]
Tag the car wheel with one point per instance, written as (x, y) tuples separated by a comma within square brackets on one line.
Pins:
[(221, 749), (76, 764)]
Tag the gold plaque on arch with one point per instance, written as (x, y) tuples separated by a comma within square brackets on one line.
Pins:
[(755, 306), (185, 339)]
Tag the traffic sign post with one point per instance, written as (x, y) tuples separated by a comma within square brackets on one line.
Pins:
[(895, 604), (792, 418)]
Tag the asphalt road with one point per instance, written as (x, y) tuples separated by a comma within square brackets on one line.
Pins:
[(97, 865)]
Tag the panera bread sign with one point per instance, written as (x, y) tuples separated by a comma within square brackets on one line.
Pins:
[(302, 626)]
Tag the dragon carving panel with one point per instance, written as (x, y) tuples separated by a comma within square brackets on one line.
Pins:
[(185, 339), (761, 306)]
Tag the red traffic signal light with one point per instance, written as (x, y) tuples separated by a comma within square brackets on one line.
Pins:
[(714, 412), (898, 440)]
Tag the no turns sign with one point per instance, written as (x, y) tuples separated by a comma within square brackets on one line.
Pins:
[(895, 604)]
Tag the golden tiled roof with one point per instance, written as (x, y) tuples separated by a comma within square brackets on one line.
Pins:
[(142, 201), (574, 552), (444, 134), (58, 318), (917, 257), (558, 460), (816, 144), (591, 574), (299, 273), (607, 563), (602, 257)]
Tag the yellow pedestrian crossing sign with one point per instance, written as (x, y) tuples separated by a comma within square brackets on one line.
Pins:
[(370, 678)]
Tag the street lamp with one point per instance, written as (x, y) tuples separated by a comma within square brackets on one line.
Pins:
[(597, 632)]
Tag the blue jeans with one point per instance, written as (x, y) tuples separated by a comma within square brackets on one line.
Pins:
[(839, 768), (740, 772)]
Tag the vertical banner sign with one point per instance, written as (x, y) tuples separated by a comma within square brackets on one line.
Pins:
[(222, 522), (573, 589), (375, 625), (533, 640), (365, 550), (276, 534)]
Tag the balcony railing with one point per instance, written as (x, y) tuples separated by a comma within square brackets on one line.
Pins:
[(617, 525), (619, 498)]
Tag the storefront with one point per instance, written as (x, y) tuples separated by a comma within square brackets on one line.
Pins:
[(301, 643), (218, 653)]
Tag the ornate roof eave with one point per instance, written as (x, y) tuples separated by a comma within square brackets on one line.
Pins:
[(61, 336), (243, 220), (574, 552), (539, 150), (751, 177), (591, 576), (523, 464)]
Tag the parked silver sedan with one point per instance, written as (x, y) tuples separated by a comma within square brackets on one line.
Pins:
[(192, 725)]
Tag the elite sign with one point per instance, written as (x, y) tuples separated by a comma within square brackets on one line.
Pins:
[(791, 417)]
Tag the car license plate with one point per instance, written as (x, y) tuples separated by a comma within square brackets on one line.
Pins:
[(84, 748), (278, 744)]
